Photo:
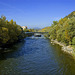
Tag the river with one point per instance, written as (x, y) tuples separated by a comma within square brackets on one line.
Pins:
[(36, 56)]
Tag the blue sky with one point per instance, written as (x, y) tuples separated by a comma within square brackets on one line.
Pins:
[(36, 13)]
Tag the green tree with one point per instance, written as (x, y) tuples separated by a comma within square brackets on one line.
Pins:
[(73, 41)]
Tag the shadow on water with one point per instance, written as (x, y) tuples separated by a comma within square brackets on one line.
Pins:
[(19, 49), (14, 51)]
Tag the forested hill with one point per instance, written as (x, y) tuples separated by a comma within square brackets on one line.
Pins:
[(63, 30), (10, 32), (71, 15)]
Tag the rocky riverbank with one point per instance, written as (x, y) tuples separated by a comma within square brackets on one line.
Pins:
[(65, 48)]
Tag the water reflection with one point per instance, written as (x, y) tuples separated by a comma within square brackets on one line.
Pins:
[(65, 61)]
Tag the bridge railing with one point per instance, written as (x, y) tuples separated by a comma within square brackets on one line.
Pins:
[(35, 32)]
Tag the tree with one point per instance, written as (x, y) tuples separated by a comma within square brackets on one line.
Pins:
[(11, 22), (55, 22), (73, 41), (10, 32)]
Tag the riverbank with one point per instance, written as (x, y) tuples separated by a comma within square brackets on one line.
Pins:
[(68, 49)]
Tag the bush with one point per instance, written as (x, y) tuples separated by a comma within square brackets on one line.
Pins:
[(73, 41), (10, 32)]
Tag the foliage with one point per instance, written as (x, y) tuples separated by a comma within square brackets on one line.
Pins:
[(73, 41), (10, 32), (46, 29), (63, 30), (28, 30), (71, 15)]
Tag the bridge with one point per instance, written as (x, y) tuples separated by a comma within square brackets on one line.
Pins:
[(36, 33)]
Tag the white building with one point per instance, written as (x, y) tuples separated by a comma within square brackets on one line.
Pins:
[(24, 27)]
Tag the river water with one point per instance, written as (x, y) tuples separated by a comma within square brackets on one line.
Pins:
[(36, 56)]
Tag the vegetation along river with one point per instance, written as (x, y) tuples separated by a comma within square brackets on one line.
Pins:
[(36, 56)]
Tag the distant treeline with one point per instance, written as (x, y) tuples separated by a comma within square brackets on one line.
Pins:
[(10, 32), (63, 30)]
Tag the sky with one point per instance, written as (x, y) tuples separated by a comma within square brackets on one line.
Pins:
[(36, 13)]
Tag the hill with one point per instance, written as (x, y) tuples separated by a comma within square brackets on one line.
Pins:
[(71, 15), (63, 30)]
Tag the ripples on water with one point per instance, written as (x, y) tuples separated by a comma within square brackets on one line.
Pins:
[(36, 56)]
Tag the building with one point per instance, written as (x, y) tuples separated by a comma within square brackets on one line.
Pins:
[(24, 27)]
